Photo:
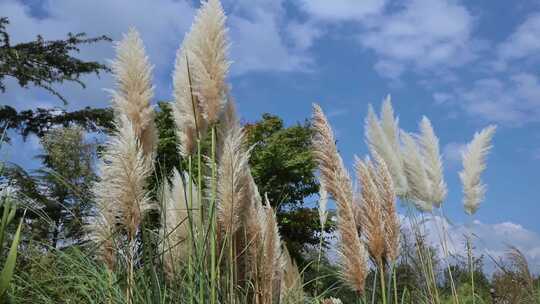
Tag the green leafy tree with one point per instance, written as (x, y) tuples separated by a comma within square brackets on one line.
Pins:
[(281, 164), (43, 63), (284, 169), (39, 121), (66, 177), (57, 194)]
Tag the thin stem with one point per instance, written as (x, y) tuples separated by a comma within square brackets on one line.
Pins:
[(394, 279), (442, 233), (417, 234), (201, 211), (191, 234), (129, 287), (213, 223), (471, 267), (383, 284), (319, 261)]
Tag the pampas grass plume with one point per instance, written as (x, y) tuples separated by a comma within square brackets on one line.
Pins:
[(432, 158), (337, 183), (291, 291), (177, 207), (474, 163), (372, 214), (199, 77), (392, 224), (383, 140), (419, 184), (323, 202), (232, 184), (132, 98)]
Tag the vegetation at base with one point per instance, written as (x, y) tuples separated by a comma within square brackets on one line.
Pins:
[(191, 206)]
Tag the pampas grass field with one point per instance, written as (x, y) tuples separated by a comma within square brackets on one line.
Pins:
[(218, 238)]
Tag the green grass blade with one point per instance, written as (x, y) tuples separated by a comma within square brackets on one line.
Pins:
[(9, 266)]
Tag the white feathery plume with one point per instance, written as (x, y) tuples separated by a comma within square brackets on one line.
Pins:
[(209, 49), (232, 186), (265, 249), (101, 229), (127, 172), (121, 193), (337, 182), (200, 90), (474, 163), (419, 184), (332, 301), (186, 109), (391, 218), (323, 202), (134, 90), (379, 142), (175, 232), (389, 123), (432, 159), (291, 284)]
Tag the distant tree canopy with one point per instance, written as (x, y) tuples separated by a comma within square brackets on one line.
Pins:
[(58, 193), (43, 63), (284, 169), (281, 160), (39, 121)]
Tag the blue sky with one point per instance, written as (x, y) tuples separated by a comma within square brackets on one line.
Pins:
[(464, 64)]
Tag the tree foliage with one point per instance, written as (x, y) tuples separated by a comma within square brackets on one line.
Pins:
[(281, 160), (58, 193), (284, 169), (43, 63), (39, 121)]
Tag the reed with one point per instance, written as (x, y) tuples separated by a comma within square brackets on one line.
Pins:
[(337, 183)]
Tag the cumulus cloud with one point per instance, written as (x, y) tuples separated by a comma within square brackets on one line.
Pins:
[(452, 153), (258, 45), (512, 100), (342, 10), (507, 86), (488, 239), (260, 41), (524, 42), (421, 35), (162, 36)]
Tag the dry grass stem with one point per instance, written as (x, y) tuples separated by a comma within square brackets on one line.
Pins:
[(372, 213), (291, 291), (337, 182)]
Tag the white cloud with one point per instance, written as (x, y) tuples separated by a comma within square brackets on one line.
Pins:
[(258, 45), (452, 152), (524, 42), (303, 35), (488, 239), (441, 97), (389, 68), (162, 36), (342, 10), (512, 100), (259, 41), (421, 35)]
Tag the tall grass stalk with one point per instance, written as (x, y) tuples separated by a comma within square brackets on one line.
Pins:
[(470, 262)]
